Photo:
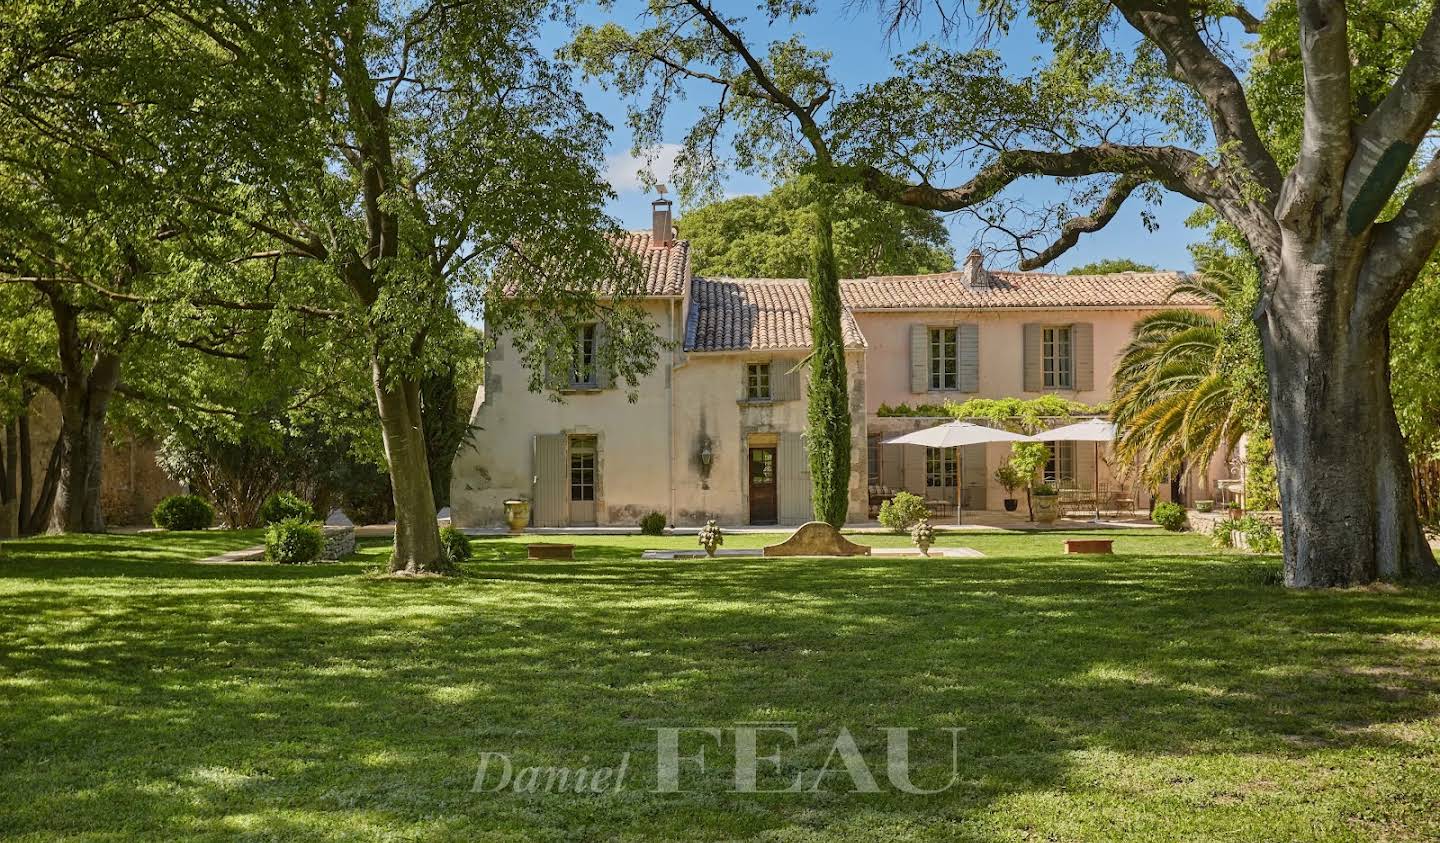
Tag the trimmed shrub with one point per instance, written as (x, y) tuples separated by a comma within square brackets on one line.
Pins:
[(285, 505), (652, 524), (183, 512), (1260, 537), (294, 541), (454, 546), (1171, 516), (903, 511), (1220, 533)]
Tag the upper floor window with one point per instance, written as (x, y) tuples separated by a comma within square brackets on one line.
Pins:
[(585, 372), (757, 382), (1058, 359), (1060, 467), (944, 359)]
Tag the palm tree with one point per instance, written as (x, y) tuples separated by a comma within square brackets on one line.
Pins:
[(1171, 399)]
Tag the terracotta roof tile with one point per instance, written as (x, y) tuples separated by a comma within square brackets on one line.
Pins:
[(1015, 289), (666, 268), (736, 314)]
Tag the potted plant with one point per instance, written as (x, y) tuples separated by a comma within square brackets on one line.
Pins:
[(517, 514), (711, 537), (923, 535), (1009, 477), (1204, 506), (1047, 502)]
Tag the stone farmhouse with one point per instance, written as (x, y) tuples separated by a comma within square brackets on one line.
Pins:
[(718, 429)]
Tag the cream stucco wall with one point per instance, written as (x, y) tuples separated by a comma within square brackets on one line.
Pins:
[(709, 406), (648, 451), (633, 462)]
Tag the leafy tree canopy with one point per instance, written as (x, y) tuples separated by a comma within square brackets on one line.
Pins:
[(769, 236), (1109, 265)]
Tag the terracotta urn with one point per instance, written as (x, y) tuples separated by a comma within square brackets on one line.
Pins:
[(517, 515)]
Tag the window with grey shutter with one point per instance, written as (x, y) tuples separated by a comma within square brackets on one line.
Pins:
[(944, 346), (1057, 357), (584, 369), (757, 382)]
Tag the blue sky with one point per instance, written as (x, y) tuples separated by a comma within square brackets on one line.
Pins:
[(863, 55)]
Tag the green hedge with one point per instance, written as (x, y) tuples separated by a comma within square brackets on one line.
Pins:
[(183, 512)]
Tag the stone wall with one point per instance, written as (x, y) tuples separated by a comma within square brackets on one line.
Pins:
[(131, 484)]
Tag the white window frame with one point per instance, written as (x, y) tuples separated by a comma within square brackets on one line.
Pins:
[(584, 468), (944, 347), (586, 373), (1057, 356), (942, 463), (759, 383), (1060, 465)]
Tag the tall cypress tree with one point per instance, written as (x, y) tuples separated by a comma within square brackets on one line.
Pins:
[(828, 427)]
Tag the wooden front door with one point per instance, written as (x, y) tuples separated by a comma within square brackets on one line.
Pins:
[(763, 501)]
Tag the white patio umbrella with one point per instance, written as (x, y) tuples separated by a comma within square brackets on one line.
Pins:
[(1090, 430), (956, 434)]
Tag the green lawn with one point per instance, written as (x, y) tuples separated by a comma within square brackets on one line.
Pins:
[(1167, 692)]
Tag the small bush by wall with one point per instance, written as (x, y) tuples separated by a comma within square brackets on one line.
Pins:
[(183, 512), (903, 511), (1170, 516), (652, 524), (293, 541), (455, 546)]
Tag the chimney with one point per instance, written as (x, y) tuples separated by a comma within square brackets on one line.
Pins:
[(975, 274), (662, 233)]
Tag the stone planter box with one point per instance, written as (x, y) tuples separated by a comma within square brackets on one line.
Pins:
[(1089, 546), (1047, 508), (550, 551)]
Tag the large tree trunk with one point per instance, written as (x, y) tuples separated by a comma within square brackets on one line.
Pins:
[(828, 423), (1345, 483), (417, 536), (83, 404), (10, 481)]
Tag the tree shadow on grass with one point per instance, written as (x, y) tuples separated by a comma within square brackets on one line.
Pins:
[(339, 708)]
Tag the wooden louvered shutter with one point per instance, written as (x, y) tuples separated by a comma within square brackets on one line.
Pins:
[(1034, 358), (1084, 464), (914, 469), (1082, 349), (892, 466), (919, 359), (603, 377), (975, 476), (785, 380), (552, 499), (794, 480), (967, 335)]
